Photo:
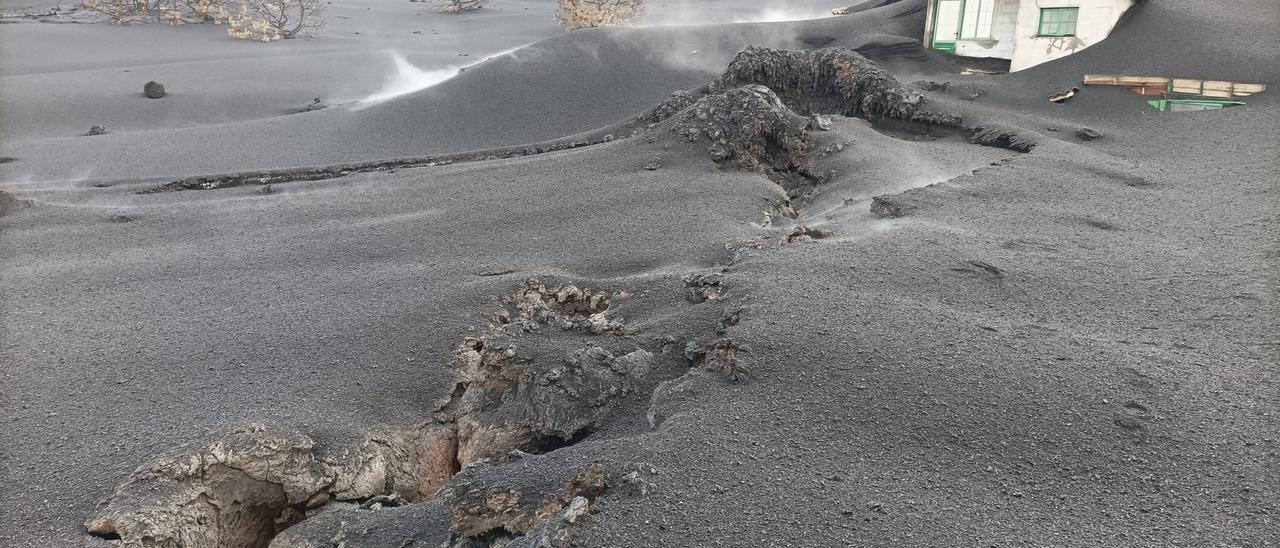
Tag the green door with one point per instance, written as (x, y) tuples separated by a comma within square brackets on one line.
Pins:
[(946, 24)]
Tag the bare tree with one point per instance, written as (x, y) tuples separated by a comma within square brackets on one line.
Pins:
[(459, 6), (577, 14)]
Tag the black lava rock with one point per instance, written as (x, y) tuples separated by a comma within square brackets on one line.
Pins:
[(153, 90), (1087, 134)]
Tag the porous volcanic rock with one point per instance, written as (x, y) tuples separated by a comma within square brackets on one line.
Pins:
[(510, 403), (483, 500), (890, 206), (345, 525), (239, 491), (1088, 134), (554, 532), (1002, 137), (827, 81), (669, 107), (749, 125), (153, 90)]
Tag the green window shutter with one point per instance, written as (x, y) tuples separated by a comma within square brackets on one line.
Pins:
[(1058, 21)]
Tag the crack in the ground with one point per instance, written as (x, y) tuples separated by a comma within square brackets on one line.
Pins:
[(249, 485), (269, 177)]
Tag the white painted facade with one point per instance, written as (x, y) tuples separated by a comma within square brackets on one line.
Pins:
[(1015, 29)]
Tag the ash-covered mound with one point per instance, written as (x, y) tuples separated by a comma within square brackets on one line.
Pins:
[(749, 124), (759, 111), (831, 81), (671, 106)]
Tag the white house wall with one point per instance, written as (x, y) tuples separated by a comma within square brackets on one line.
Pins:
[(1004, 25), (1096, 19)]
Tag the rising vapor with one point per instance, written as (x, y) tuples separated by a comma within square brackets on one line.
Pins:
[(408, 78)]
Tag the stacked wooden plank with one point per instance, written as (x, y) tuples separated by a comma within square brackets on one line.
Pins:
[(1159, 85), (1142, 85), (1214, 88)]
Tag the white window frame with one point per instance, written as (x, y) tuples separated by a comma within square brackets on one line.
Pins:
[(977, 19)]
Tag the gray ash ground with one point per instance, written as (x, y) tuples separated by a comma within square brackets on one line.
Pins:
[(845, 325)]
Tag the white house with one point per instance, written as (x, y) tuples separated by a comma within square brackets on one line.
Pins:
[(1026, 32)]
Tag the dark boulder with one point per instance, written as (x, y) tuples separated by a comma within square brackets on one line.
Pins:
[(1087, 134), (153, 90), (1002, 137), (890, 206)]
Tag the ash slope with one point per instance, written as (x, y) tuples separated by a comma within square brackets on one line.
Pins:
[(331, 306), (1074, 348), (562, 85)]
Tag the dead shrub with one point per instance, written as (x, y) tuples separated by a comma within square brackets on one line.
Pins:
[(459, 6), (722, 357), (128, 11), (579, 14), (270, 20), (262, 20)]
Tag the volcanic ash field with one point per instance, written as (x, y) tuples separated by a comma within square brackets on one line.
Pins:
[(740, 275)]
